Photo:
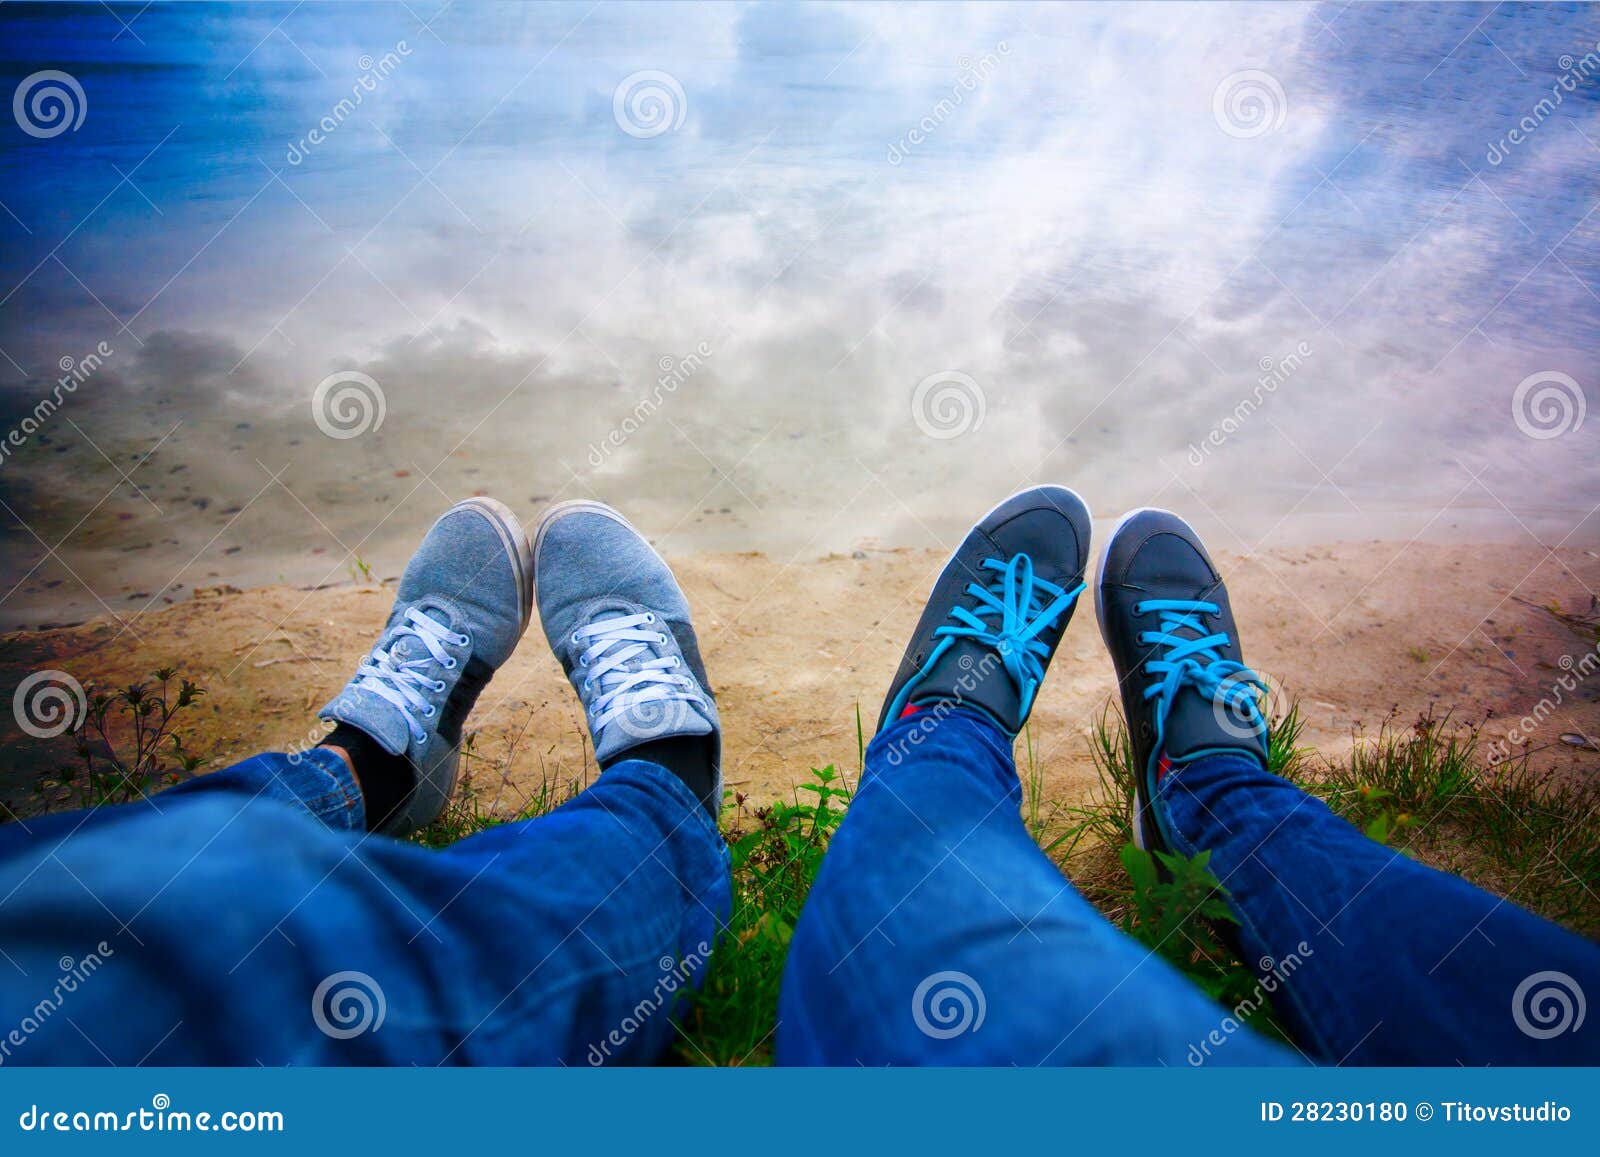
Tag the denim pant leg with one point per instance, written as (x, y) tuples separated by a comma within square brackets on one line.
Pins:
[(937, 932), (1381, 960), (219, 923)]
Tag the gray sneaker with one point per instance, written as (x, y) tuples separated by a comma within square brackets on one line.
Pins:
[(462, 604), (619, 624)]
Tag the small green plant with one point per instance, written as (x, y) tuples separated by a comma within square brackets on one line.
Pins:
[(127, 745), (1178, 909), (470, 810), (776, 852), (359, 570)]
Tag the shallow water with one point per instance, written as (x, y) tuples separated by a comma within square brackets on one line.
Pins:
[(822, 278)]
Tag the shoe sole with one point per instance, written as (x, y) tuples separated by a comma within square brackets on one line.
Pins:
[(1100, 618), (515, 540)]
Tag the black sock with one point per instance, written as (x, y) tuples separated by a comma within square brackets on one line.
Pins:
[(688, 757), (386, 780)]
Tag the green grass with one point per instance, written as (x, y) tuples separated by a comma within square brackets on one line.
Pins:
[(1423, 788)]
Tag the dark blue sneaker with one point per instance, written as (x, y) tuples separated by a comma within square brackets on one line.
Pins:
[(463, 602), (1186, 692), (997, 611)]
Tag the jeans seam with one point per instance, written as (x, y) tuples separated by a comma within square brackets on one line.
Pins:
[(1308, 1022)]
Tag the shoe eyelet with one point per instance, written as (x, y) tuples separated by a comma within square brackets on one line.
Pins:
[(662, 639), (438, 687), (421, 738), (575, 640), (649, 618), (676, 662), (449, 663), (463, 640), (583, 660), (430, 712)]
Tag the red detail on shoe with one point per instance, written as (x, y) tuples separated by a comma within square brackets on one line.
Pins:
[(1163, 765), (911, 709)]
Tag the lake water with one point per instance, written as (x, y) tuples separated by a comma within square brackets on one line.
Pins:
[(797, 279)]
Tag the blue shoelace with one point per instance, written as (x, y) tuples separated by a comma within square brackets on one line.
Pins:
[(1191, 659), (1012, 613)]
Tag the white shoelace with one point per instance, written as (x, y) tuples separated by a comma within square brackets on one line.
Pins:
[(624, 678), (399, 681)]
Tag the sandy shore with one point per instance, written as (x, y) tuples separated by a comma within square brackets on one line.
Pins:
[(1355, 631)]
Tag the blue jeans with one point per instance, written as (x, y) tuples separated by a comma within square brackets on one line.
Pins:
[(247, 917), (220, 923), (938, 932)]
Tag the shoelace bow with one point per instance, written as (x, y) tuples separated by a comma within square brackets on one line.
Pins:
[(617, 665), (1011, 615), (1191, 659), (400, 681)]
